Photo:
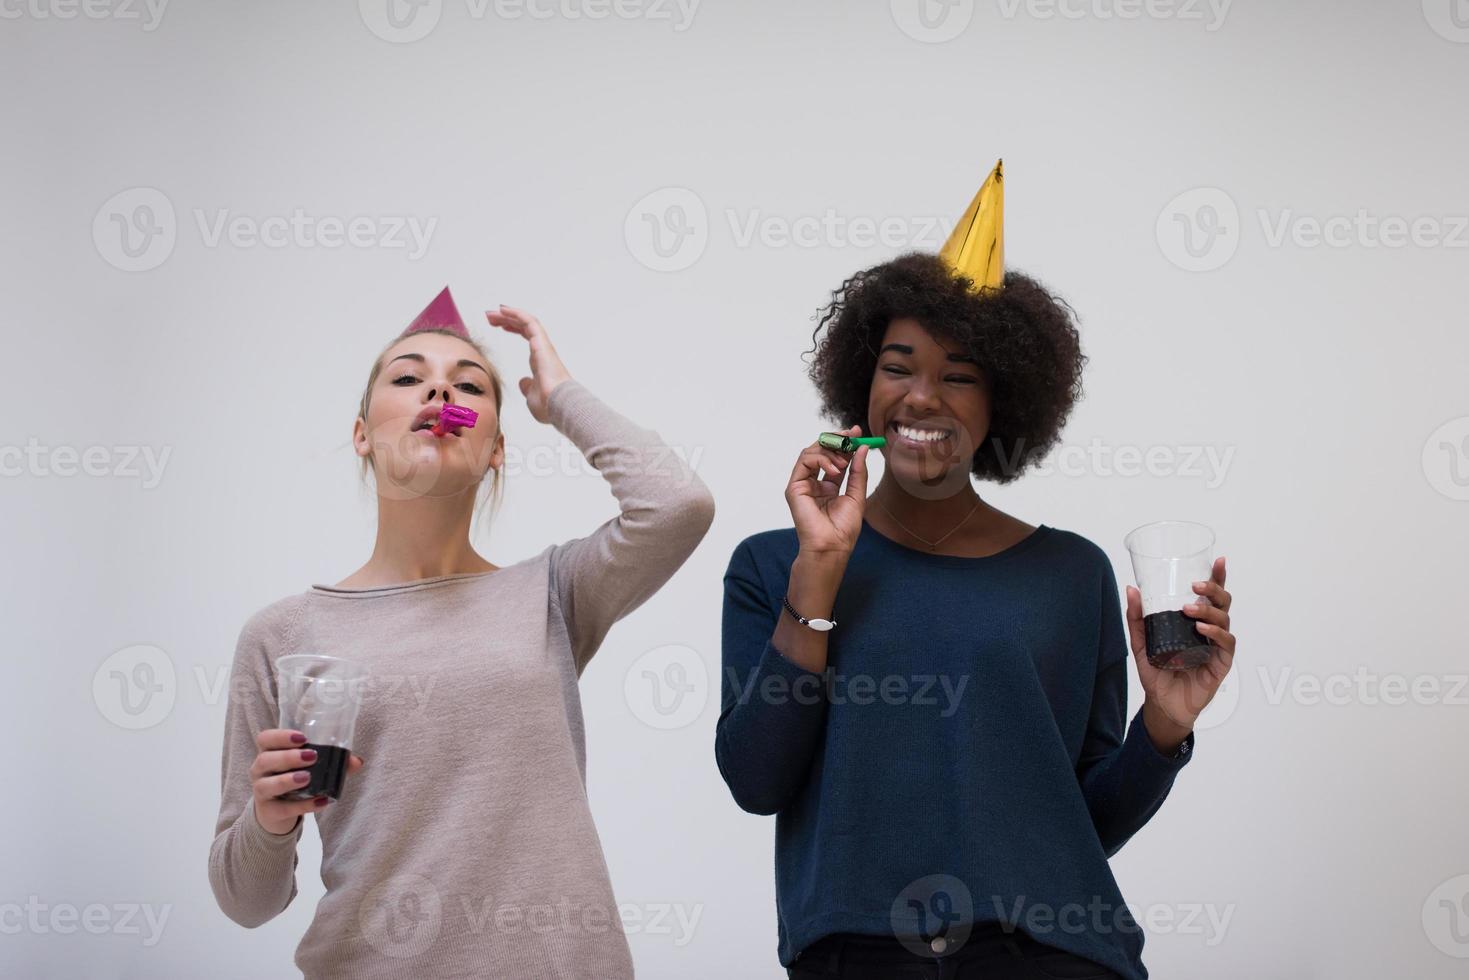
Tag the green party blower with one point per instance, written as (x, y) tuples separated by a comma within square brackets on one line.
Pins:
[(848, 444)]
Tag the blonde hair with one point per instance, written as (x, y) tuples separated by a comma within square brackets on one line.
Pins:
[(497, 484)]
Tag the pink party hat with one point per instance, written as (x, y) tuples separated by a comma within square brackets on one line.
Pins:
[(440, 313)]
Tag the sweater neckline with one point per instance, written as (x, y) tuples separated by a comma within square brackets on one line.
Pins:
[(961, 561), (396, 587)]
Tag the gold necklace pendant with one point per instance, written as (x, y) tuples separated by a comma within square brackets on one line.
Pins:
[(932, 545)]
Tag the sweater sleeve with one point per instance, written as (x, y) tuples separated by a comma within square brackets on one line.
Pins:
[(665, 510), (252, 871), (772, 710), (1124, 778)]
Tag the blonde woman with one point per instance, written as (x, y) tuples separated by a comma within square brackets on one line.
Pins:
[(462, 844)]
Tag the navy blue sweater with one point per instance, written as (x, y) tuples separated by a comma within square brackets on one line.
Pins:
[(963, 757)]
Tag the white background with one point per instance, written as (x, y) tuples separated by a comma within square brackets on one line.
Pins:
[(1329, 827)]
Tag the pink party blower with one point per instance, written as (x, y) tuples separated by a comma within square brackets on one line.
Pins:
[(453, 417)]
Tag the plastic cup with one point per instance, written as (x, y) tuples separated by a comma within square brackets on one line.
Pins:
[(1167, 558), (320, 696)]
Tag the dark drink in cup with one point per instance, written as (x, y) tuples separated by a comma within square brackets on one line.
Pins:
[(1167, 559), (320, 697), (1174, 641), (327, 772)]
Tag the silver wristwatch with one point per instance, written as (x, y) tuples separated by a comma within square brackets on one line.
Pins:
[(815, 623)]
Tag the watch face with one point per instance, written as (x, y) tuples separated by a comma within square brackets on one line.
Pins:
[(820, 624)]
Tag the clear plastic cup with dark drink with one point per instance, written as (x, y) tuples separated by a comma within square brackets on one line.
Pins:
[(1168, 557), (320, 697)]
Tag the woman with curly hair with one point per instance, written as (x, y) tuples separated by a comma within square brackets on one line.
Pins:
[(930, 694)]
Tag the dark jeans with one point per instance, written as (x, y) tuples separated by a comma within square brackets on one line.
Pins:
[(989, 953)]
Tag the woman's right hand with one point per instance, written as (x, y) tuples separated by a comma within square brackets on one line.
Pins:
[(828, 519), (277, 769)]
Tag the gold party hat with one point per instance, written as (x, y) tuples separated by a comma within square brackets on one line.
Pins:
[(976, 249)]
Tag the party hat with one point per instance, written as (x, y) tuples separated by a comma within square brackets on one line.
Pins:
[(976, 249), (441, 313)]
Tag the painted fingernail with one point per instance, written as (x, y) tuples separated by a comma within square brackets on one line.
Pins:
[(297, 737), (320, 801), (308, 755), (301, 776)]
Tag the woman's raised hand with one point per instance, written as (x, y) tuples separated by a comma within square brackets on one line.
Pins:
[(546, 369), (278, 769), (828, 519)]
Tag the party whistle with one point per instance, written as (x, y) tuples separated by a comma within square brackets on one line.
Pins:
[(452, 417), (848, 444)]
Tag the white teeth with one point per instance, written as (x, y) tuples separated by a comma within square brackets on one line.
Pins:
[(920, 435)]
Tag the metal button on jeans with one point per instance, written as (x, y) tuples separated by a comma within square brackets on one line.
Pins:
[(939, 944)]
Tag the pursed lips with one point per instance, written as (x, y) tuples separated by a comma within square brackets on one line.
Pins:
[(427, 420)]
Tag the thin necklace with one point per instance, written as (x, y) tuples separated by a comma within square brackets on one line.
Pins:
[(931, 544)]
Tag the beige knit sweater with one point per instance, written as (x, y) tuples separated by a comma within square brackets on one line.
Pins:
[(465, 847)]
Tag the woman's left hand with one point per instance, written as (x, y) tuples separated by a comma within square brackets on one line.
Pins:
[(546, 368), (1174, 698)]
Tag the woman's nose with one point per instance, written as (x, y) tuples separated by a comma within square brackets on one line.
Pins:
[(920, 394), (431, 394)]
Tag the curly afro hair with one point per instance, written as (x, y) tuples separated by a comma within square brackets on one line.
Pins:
[(1023, 337)]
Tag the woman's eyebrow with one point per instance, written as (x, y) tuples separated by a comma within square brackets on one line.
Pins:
[(905, 349), (463, 361)]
